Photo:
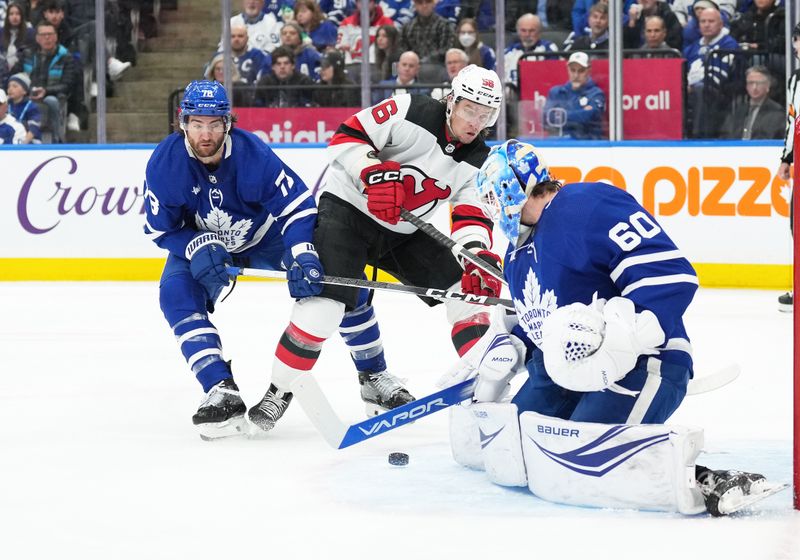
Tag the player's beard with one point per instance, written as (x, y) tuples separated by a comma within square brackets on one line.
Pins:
[(206, 149)]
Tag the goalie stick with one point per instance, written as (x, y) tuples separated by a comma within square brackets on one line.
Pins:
[(457, 248), (340, 435), (383, 286)]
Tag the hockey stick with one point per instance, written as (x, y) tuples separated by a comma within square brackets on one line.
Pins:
[(384, 286), (457, 248), (713, 381), (340, 435)]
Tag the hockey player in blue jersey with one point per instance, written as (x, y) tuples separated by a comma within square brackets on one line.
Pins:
[(599, 292), (219, 196)]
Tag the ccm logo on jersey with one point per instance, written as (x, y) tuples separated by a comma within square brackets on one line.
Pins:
[(382, 177), (563, 432), (403, 417)]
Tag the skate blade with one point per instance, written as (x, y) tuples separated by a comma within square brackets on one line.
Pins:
[(785, 308), (740, 502), (236, 426)]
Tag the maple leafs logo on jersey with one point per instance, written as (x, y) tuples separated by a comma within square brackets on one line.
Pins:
[(534, 307), (233, 234), (422, 192)]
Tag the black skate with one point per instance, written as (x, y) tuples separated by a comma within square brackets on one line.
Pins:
[(728, 491), (382, 391), (221, 414), (786, 302), (265, 414)]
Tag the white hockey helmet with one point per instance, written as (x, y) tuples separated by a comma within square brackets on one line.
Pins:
[(480, 86)]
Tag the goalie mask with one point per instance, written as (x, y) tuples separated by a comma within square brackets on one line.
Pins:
[(505, 181), (480, 86), (205, 98)]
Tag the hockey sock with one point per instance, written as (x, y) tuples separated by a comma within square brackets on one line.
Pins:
[(468, 331), (297, 351), (200, 344), (362, 334)]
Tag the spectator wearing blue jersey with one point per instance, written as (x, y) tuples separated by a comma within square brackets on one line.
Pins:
[(282, 9), (23, 109), (529, 33), (399, 11), (315, 25), (688, 13), (306, 57), (249, 61), (576, 109), (482, 11), (11, 131), (337, 10), (600, 292), (467, 38), (709, 75), (218, 196)]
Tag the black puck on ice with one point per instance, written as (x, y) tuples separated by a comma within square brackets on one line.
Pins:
[(398, 459)]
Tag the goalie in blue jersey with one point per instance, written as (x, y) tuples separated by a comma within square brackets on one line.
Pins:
[(218, 196), (599, 292)]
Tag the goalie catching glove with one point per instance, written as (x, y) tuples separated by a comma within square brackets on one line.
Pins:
[(495, 360), (385, 193), (591, 347), (477, 281)]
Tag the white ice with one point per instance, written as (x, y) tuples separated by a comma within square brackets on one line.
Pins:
[(99, 458)]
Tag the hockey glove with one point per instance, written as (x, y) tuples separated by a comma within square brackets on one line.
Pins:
[(477, 281), (591, 347), (303, 271), (385, 192), (208, 257)]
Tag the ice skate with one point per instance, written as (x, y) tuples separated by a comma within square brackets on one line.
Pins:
[(265, 414), (221, 414), (382, 391), (786, 302), (726, 492)]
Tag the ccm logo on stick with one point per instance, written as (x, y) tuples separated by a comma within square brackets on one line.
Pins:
[(564, 432)]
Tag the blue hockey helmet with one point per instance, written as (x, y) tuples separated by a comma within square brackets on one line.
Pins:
[(505, 181), (205, 98)]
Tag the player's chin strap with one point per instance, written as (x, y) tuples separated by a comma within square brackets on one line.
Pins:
[(457, 248)]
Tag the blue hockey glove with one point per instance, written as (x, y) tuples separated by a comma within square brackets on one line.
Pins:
[(207, 259), (303, 271)]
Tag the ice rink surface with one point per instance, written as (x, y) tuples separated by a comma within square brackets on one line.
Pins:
[(99, 458)]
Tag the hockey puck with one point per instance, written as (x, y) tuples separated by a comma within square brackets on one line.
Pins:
[(398, 459)]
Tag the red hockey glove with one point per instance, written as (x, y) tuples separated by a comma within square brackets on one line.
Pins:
[(479, 282), (385, 193)]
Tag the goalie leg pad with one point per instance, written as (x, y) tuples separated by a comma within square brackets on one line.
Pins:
[(498, 427), (465, 441), (649, 467)]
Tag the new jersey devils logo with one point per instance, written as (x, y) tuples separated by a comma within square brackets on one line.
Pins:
[(422, 192)]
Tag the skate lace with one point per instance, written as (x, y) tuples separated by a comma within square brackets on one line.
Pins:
[(386, 383), (272, 405), (219, 396)]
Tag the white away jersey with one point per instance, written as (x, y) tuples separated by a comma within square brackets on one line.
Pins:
[(436, 169), (594, 237)]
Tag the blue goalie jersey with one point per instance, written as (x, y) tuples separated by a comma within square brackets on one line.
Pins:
[(249, 198), (595, 238)]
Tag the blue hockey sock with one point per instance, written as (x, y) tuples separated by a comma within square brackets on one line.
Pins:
[(360, 331)]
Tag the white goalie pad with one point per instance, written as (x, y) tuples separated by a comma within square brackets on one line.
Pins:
[(647, 466), (465, 442), (498, 428)]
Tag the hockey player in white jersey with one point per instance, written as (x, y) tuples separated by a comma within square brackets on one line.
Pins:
[(407, 152), (599, 291)]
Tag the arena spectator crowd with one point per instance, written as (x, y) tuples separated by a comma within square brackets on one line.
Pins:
[(285, 53)]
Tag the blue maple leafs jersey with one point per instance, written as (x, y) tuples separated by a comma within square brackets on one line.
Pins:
[(250, 197), (593, 237)]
